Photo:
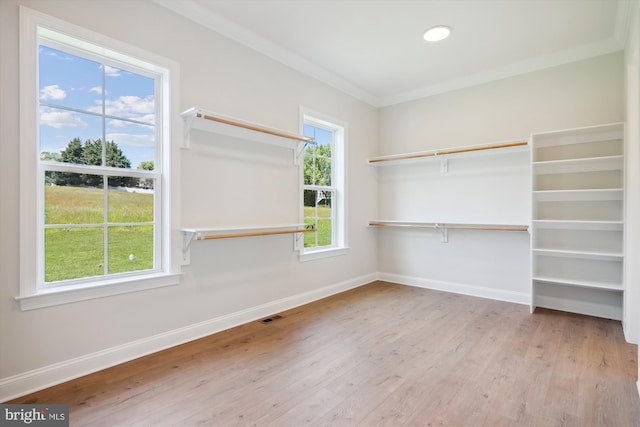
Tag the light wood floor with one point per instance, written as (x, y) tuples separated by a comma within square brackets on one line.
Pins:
[(379, 355)]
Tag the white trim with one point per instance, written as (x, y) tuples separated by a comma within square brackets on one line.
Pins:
[(339, 182), (458, 288), (106, 288), (37, 379), (168, 129), (323, 253)]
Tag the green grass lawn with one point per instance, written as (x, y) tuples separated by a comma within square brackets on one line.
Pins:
[(72, 253), (322, 224), (76, 252)]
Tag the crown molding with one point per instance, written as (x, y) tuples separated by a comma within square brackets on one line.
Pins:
[(205, 17), (511, 70)]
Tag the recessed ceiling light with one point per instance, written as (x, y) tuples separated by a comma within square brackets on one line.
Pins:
[(437, 33)]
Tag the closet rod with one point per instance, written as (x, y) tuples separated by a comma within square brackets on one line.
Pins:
[(442, 153), (254, 233), (440, 226), (255, 128)]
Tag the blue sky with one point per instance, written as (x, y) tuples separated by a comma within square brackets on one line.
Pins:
[(69, 81), (322, 136)]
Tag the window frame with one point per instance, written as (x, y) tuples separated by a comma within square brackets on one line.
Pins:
[(338, 184), (34, 292)]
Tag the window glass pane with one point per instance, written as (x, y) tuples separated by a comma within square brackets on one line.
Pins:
[(130, 248), (68, 198), (323, 171), (310, 203), (72, 253), (324, 232), (317, 168), (69, 80), (135, 143), (129, 95), (66, 135), (317, 160), (310, 239), (128, 202), (317, 211), (324, 203), (323, 138), (309, 167)]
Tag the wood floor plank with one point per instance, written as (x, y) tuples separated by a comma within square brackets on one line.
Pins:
[(379, 355)]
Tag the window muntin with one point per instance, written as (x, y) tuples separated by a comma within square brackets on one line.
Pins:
[(99, 165)]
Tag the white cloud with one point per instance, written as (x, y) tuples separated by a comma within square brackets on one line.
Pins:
[(132, 140), (110, 71), (61, 119), (52, 92), (130, 107), (96, 89)]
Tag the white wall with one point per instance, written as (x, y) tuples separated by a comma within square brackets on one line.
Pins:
[(227, 282), (484, 189), (632, 183)]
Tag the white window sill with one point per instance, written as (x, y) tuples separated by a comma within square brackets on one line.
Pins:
[(69, 294), (311, 255)]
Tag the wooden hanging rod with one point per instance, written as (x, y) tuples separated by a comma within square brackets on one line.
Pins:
[(445, 152), (440, 226), (254, 233), (255, 128)]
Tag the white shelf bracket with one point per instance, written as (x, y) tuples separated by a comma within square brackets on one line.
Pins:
[(444, 233), (298, 153), (187, 238), (298, 242), (444, 164), (188, 122)]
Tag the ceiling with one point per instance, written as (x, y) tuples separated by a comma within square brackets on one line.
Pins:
[(374, 51)]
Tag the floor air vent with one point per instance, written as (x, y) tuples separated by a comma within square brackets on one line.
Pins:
[(270, 319)]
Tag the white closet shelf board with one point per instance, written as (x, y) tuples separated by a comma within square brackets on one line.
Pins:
[(201, 232), (578, 195), (588, 164), (580, 283), (466, 151), (448, 225), (601, 256), (196, 118), (579, 225), (211, 233)]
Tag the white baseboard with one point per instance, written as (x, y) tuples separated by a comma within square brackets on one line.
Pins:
[(458, 288), (37, 379)]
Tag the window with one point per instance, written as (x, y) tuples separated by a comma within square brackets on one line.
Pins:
[(323, 185), (95, 153)]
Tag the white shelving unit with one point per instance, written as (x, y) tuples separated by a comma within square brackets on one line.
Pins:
[(577, 220)]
